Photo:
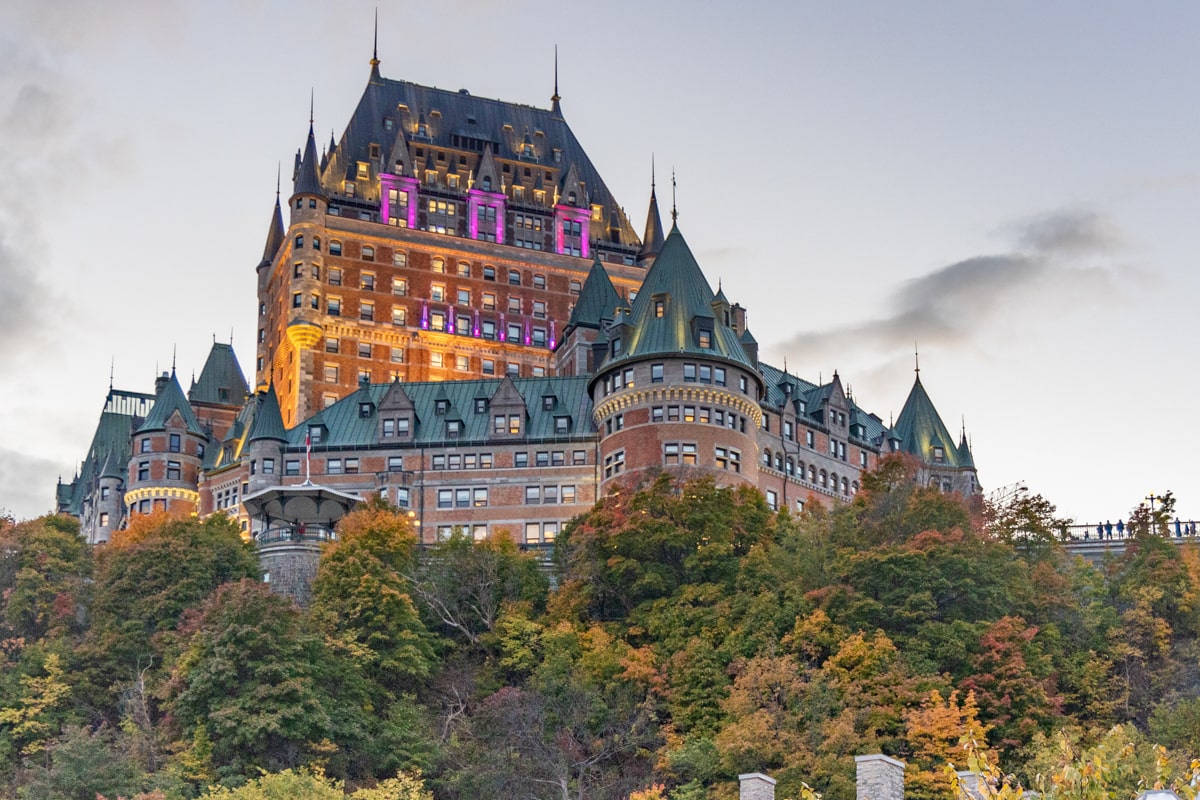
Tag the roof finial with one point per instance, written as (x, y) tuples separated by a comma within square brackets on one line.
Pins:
[(278, 178), (917, 360), (174, 347), (112, 366), (554, 98), (652, 173), (375, 44), (674, 210), (312, 102), (785, 372)]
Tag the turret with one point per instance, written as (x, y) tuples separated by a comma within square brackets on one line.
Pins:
[(168, 451)]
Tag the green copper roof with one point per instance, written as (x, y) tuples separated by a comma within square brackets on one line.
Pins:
[(170, 400), (652, 240), (268, 419), (221, 381), (673, 306), (346, 424), (920, 429), (598, 300)]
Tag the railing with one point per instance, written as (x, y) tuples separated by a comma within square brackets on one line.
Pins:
[(1119, 531), (295, 533)]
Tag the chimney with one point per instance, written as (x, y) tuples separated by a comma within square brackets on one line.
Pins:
[(879, 778), (162, 382), (756, 786)]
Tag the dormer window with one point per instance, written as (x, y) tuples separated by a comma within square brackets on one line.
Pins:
[(442, 406), (481, 405), (705, 339), (939, 455), (453, 428), (423, 130), (527, 151), (314, 434), (364, 410), (486, 183), (616, 346), (548, 402), (562, 425)]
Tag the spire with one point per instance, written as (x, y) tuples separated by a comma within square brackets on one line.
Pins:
[(554, 98), (375, 51), (598, 299), (652, 240), (308, 181), (268, 420), (275, 232), (674, 210)]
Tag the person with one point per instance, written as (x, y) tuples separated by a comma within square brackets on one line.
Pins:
[(1099, 531), (1121, 529), (1178, 532), (1108, 528)]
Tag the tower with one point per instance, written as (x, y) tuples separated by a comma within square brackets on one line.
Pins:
[(168, 450), (674, 388)]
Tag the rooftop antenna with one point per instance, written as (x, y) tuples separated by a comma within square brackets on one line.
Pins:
[(674, 210)]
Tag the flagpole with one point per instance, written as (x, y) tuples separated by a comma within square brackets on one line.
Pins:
[(307, 457)]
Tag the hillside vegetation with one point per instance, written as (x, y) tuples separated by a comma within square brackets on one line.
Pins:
[(692, 634)]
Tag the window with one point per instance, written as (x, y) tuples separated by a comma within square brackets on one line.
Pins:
[(335, 248), (364, 349), (368, 282), (464, 297), (400, 258), (514, 424), (772, 501), (539, 281), (297, 299), (705, 373), (542, 458), (453, 428), (464, 269), (173, 471), (729, 459), (438, 265), (489, 273), (333, 306), (939, 455), (314, 301), (578, 456), (514, 333), (331, 344), (103, 519), (514, 277), (705, 339), (368, 254), (533, 495), (399, 317), (367, 310), (656, 373), (335, 276), (614, 464), (520, 459), (333, 466), (437, 292), (489, 301), (689, 372), (291, 467), (445, 498), (656, 414), (488, 366), (143, 471), (173, 443), (299, 241), (462, 363), (331, 373), (575, 286), (539, 309), (810, 439), (660, 307)]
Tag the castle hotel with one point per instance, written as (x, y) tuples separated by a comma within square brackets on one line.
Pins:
[(458, 315)]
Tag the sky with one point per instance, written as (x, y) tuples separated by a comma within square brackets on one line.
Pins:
[(1012, 189)]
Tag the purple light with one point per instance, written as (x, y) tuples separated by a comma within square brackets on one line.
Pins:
[(424, 316)]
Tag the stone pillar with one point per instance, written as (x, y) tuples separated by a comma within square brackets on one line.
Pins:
[(756, 786), (879, 778)]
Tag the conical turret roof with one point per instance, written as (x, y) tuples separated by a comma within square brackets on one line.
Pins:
[(268, 419), (308, 181), (676, 326), (652, 239), (169, 400), (920, 428), (598, 299), (275, 234)]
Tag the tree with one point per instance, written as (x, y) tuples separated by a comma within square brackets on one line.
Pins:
[(81, 765), (464, 585), (44, 570), (934, 732), (249, 674), (361, 592)]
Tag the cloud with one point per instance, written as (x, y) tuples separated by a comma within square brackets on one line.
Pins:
[(28, 483), (1049, 253)]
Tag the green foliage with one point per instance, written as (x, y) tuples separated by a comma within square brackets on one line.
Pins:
[(44, 570), (361, 592), (249, 673), (80, 766), (305, 784)]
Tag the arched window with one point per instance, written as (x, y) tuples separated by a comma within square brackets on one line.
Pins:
[(439, 265), (845, 486), (316, 243), (854, 487), (299, 241), (812, 474), (335, 248), (824, 478), (779, 461), (767, 457), (791, 466), (368, 253)]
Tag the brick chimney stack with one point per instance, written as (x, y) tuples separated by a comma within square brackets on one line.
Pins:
[(756, 786), (879, 778)]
